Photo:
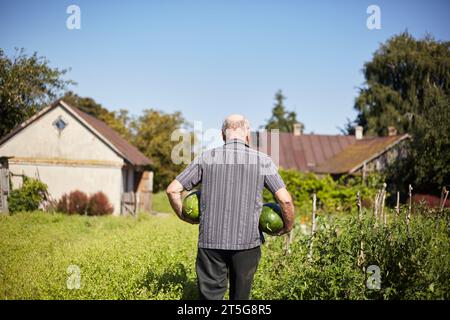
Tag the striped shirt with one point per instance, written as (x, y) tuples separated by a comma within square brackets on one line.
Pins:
[(232, 179)]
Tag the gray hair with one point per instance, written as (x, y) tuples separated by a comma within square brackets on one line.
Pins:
[(236, 126)]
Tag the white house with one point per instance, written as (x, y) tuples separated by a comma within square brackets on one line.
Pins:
[(70, 150)]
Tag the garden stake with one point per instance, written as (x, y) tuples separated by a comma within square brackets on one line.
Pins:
[(444, 196), (313, 228), (382, 199), (408, 216), (361, 256)]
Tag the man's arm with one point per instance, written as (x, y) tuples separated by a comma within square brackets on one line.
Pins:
[(174, 194), (284, 199)]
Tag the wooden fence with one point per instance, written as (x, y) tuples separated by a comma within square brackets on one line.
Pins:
[(4, 184)]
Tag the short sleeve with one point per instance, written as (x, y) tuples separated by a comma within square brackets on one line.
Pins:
[(272, 179), (192, 175)]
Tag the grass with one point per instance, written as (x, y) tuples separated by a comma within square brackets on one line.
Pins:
[(119, 257), (161, 203), (153, 257)]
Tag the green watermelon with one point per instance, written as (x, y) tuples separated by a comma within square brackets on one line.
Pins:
[(191, 205), (270, 220)]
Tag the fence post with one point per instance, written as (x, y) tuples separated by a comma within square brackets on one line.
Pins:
[(287, 242), (383, 198), (444, 195), (313, 227), (376, 204), (397, 207), (361, 256), (408, 216), (358, 203)]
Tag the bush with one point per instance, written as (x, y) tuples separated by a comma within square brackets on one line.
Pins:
[(78, 202), (332, 195), (28, 197), (37, 249), (412, 265), (75, 202), (62, 205), (429, 200), (99, 205)]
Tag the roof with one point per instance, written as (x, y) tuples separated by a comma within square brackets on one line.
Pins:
[(110, 137), (307, 151), (334, 154), (354, 156)]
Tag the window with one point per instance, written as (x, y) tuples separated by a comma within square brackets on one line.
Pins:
[(60, 124)]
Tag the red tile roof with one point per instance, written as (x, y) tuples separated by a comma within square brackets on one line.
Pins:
[(324, 153), (108, 135), (306, 151), (130, 152)]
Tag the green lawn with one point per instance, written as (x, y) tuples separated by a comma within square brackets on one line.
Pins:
[(161, 203), (118, 257), (153, 257)]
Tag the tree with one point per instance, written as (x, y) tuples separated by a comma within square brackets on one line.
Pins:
[(27, 83), (120, 120), (281, 119), (153, 132), (407, 86)]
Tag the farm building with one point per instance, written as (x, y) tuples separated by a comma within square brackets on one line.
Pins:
[(70, 150), (332, 154)]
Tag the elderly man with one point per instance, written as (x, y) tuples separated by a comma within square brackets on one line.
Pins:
[(232, 179)]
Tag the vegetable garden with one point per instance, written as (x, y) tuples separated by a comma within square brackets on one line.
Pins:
[(43, 256)]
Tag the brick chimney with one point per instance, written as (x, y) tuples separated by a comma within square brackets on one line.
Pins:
[(392, 131), (358, 132), (297, 129)]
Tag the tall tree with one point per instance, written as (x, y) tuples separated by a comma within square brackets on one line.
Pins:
[(408, 86), (27, 83), (282, 119), (120, 120), (153, 132)]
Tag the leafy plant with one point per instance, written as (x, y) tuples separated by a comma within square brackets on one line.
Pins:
[(74, 202), (28, 197), (332, 195), (99, 205), (78, 202), (154, 257)]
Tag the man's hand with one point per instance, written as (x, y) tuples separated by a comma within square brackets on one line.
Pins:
[(174, 194), (283, 232), (284, 199)]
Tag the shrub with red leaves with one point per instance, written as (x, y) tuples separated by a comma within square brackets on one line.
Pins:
[(63, 204), (78, 202), (429, 200), (99, 205), (74, 202)]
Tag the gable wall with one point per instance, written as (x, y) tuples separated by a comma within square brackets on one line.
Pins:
[(41, 140)]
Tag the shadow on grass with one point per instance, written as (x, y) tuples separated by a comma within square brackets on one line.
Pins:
[(173, 277)]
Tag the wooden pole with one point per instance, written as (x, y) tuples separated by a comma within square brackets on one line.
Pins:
[(313, 227), (408, 216), (361, 256), (358, 203), (287, 242), (382, 199), (397, 207), (444, 196), (375, 210)]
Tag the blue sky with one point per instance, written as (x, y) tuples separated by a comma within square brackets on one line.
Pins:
[(211, 58)]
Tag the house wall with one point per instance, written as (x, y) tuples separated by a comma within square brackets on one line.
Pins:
[(42, 140), (63, 179), (385, 159), (73, 158)]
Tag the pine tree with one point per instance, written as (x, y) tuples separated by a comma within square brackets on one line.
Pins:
[(282, 119)]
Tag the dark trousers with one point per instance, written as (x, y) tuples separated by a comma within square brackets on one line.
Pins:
[(214, 267)]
